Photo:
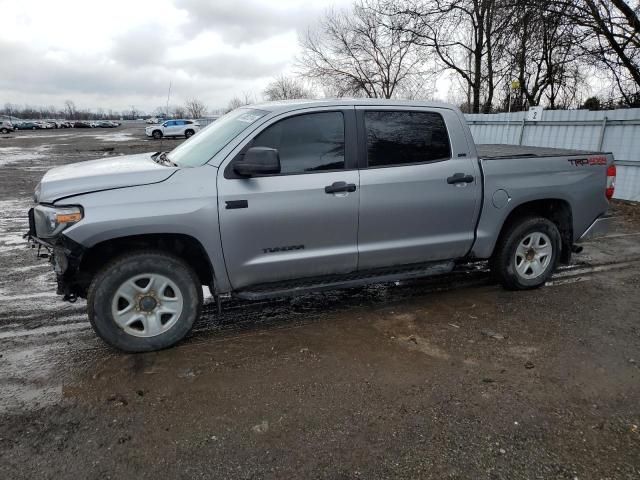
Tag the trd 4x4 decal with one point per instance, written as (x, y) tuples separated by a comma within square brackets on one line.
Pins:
[(583, 162)]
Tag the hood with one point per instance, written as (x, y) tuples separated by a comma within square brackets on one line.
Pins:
[(103, 174)]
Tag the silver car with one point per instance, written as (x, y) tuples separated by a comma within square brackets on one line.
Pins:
[(283, 198), (6, 126)]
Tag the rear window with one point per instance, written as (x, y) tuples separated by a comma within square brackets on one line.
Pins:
[(400, 138)]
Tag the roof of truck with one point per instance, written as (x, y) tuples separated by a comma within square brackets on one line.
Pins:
[(288, 105)]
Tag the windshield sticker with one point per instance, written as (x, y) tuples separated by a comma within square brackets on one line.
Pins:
[(248, 117)]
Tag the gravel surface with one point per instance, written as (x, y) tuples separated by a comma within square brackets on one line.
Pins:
[(440, 378)]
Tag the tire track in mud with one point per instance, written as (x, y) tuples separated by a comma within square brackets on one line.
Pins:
[(241, 316)]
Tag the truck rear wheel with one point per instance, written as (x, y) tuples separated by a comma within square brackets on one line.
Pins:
[(527, 253), (144, 301)]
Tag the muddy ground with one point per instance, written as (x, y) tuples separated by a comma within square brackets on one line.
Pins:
[(444, 378)]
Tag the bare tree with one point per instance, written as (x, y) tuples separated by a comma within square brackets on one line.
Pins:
[(70, 109), (133, 112), (467, 37), (612, 40), (286, 88), (237, 102), (195, 108), (363, 52), (543, 53), (178, 111)]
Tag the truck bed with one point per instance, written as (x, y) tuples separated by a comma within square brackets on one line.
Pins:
[(499, 151)]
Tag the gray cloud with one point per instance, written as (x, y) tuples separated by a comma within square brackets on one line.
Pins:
[(226, 65), (142, 46), (136, 65), (242, 22), (29, 70), (215, 76)]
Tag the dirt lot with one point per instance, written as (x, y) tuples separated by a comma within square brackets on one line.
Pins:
[(448, 378)]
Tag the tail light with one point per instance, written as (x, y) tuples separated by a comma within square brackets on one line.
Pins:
[(611, 182)]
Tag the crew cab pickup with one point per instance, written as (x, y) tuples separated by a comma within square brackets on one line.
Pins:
[(284, 198)]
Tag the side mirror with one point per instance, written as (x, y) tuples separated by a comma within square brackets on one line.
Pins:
[(258, 161)]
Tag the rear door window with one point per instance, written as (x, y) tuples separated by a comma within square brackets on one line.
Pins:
[(405, 137)]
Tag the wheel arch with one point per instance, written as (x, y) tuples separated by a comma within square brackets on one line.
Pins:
[(183, 246), (556, 210), (494, 222)]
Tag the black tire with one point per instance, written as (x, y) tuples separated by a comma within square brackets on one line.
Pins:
[(503, 262), (157, 134), (5, 130), (33, 128), (188, 133), (106, 283)]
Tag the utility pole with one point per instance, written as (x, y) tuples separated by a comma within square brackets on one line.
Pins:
[(168, 97)]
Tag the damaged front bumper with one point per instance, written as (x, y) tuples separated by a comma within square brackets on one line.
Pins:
[(65, 256)]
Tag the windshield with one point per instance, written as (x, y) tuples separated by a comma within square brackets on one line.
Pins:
[(202, 147)]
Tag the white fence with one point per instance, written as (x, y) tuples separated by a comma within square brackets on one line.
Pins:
[(616, 131)]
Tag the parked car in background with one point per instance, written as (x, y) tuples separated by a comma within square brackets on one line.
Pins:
[(107, 124), (6, 126), (173, 128), (28, 126), (305, 196), (82, 124)]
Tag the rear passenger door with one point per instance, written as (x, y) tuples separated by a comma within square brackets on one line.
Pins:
[(419, 188)]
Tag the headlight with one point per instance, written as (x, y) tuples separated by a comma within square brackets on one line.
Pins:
[(51, 221)]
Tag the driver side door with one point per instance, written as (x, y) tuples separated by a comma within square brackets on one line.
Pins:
[(293, 224)]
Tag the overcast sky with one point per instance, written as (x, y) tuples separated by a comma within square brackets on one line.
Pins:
[(118, 53)]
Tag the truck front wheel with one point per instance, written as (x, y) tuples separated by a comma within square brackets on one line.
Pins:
[(527, 253), (144, 301)]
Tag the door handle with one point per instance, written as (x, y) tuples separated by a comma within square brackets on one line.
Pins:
[(460, 178), (338, 187), (235, 204)]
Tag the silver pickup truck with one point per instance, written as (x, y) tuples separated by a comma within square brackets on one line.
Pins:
[(283, 198)]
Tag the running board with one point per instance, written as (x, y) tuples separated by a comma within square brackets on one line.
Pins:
[(350, 280)]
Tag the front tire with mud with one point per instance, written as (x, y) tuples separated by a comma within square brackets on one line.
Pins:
[(144, 301), (527, 253)]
